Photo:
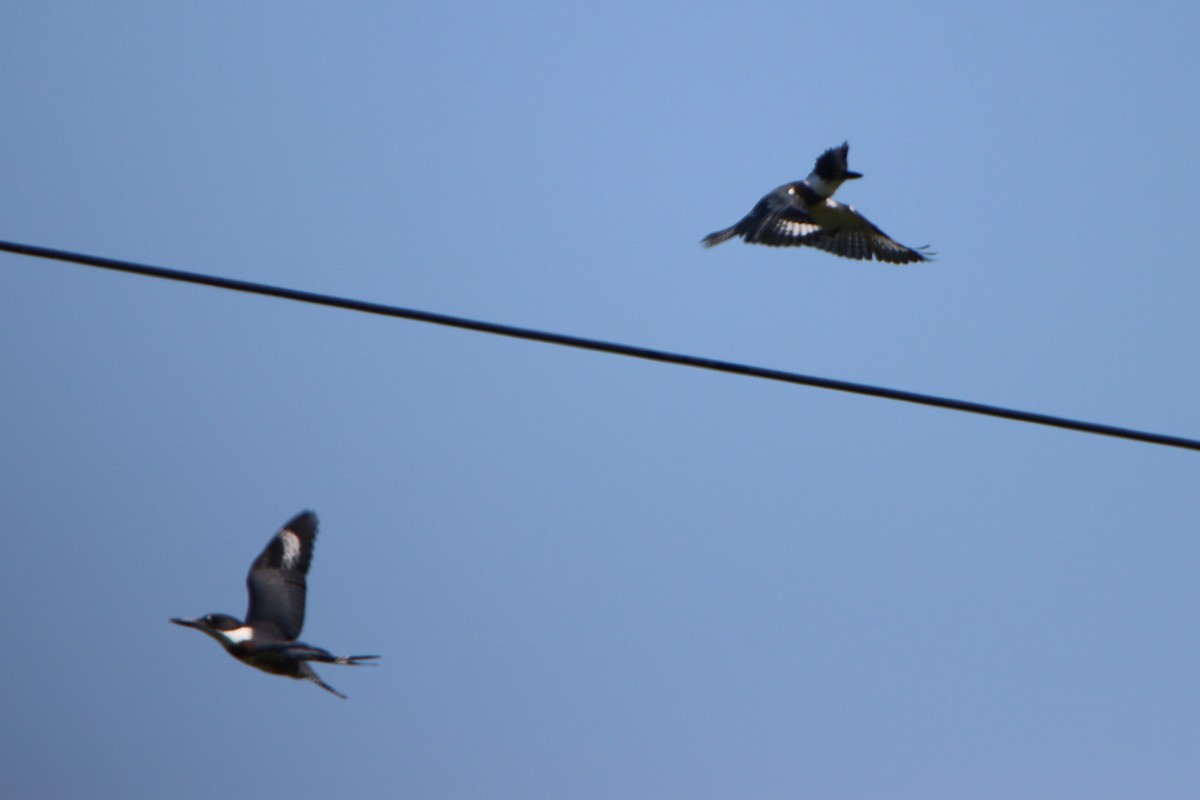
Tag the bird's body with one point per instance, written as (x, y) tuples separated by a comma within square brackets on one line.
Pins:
[(277, 584), (803, 213)]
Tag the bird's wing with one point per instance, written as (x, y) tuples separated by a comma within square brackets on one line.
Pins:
[(865, 246), (779, 220), (788, 229), (844, 232), (276, 581)]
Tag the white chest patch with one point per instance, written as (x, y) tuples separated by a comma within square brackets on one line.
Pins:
[(237, 634), (291, 549)]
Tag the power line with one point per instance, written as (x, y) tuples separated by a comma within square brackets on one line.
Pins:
[(603, 347)]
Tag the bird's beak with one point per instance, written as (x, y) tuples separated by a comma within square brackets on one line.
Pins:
[(852, 175), (187, 623)]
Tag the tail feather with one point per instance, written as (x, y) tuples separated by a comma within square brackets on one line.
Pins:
[(326, 657), (353, 661), (306, 652), (715, 238)]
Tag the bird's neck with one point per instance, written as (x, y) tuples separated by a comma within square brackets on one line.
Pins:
[(823, 187)]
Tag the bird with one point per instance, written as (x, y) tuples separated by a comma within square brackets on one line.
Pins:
[(277, 587), (804, 214)]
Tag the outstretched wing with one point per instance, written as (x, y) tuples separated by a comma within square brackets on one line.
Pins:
[(276, 581), (844, 232), (865, 246)]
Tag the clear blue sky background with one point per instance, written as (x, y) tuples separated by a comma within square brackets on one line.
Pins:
[(592, 577)]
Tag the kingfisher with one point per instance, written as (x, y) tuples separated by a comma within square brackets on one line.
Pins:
[(277, 586), (804, 214)]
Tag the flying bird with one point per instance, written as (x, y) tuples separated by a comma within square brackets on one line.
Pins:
[(277, 586), (803, 214)]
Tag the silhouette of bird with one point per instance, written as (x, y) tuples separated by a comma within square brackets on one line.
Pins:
[(277, 586), (804, 214)]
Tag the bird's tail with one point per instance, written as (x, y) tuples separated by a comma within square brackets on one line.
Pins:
[(354, 661), (326, 657), (715, 238), (306, 652)]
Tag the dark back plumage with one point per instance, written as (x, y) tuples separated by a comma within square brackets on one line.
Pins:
[(277, 581)]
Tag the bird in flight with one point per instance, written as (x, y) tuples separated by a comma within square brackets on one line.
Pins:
[(804, 214), (277, 586)]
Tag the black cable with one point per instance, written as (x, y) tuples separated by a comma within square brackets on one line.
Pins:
[(604, 347)]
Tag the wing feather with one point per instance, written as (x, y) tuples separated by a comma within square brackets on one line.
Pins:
[(277, 581)]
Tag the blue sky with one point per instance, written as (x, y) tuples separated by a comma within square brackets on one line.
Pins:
[(591, 577)]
